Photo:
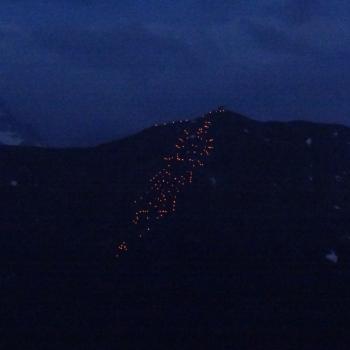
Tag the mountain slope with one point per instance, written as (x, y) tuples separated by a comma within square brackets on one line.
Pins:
[(256, 253)]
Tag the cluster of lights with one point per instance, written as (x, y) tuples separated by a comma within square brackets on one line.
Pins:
[(122, 247), (160, 200)]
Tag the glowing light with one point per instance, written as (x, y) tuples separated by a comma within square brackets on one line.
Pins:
[(160, 200)]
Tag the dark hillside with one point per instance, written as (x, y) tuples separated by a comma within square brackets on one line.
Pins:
[(256, 255)]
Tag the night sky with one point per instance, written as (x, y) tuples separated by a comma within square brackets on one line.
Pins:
[(87, 71)]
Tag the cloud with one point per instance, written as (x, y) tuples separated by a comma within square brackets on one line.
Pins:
[(277, 39), (88, 70), (298, 12), (131, 48)]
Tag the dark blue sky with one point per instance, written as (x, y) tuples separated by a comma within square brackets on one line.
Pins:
[(85, 71)]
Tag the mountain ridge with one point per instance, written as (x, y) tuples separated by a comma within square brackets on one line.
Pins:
[(257, 251)]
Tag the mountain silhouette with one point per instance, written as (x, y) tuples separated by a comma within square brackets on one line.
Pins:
[(256, 254)]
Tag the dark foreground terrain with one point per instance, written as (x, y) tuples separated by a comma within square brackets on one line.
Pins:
[(255, 257)]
